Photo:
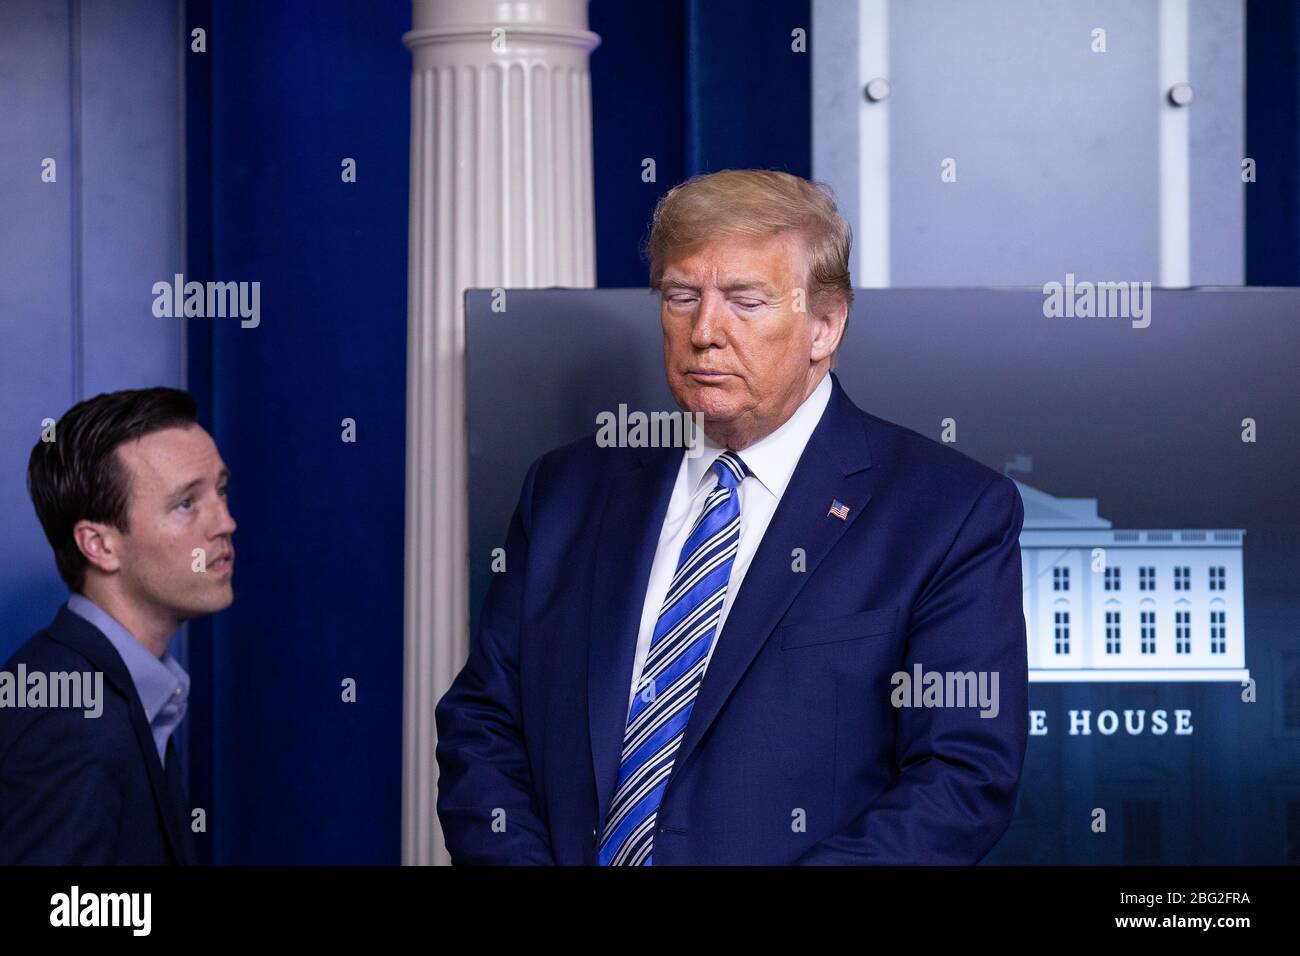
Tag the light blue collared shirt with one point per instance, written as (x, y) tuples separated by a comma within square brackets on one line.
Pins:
[(163, 685)]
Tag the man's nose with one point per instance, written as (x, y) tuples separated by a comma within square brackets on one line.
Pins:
[(225, 521), (710, 318)]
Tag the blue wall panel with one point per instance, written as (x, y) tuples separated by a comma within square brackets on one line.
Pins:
[(94, 87)]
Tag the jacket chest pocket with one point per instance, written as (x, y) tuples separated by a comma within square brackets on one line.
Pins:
[(876, 622)]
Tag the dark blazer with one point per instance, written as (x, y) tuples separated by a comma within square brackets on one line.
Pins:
[(78, 790), (793, 752)]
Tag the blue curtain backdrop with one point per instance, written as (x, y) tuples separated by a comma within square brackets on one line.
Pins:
[(1273, 141), (290, 773)]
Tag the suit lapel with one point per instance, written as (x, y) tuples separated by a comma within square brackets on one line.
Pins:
[(834, 465), (629, 535), (83, 637)]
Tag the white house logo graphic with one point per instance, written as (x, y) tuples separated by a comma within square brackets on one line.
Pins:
[(1111, 606)]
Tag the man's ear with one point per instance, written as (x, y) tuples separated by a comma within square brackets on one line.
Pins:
[(100, 543), (831, 317)]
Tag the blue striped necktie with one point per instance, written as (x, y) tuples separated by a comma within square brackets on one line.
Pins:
[(673, 670)]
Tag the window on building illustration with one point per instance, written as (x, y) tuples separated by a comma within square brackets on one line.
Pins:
[(1112, 632), (1148, 633), (1218, 633), (1062, 632), (1182, 632), (1182, 579), (1146, 579), (1141, 829), (1110, 581), (1060, 579), (1216, 578)]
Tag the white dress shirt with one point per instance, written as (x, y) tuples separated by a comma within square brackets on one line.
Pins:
[(771, 461)]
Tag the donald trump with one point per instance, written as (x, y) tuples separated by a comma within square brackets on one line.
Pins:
[(696, 658)]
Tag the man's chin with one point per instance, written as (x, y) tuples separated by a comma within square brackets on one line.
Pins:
[(721, 409), (211, 604)]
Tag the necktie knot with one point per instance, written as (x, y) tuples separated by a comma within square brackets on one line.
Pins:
[(730, 468)]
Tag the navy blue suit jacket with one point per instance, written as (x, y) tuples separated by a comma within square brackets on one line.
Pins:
[(793, 752), (76, 790)]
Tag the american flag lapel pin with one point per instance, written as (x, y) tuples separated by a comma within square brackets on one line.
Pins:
[(839, 509)]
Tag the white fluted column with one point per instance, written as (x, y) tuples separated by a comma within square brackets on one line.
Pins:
[(501, 196)]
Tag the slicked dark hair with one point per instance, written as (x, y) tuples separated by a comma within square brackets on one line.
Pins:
[(78, 476)]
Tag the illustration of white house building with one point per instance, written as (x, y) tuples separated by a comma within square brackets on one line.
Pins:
[(1128, 605)]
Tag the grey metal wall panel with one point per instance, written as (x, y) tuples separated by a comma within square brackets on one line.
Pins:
[(1057, 147)]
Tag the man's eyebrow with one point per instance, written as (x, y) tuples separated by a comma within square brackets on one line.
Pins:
[(736, 285), (746, 282), (181, 492)]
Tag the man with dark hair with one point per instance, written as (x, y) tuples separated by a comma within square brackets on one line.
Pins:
[(131, 493)]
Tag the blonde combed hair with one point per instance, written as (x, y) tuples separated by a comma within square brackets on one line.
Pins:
[(758, 203)]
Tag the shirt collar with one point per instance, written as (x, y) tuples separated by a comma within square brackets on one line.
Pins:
[(157, 682), (771, 459)]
